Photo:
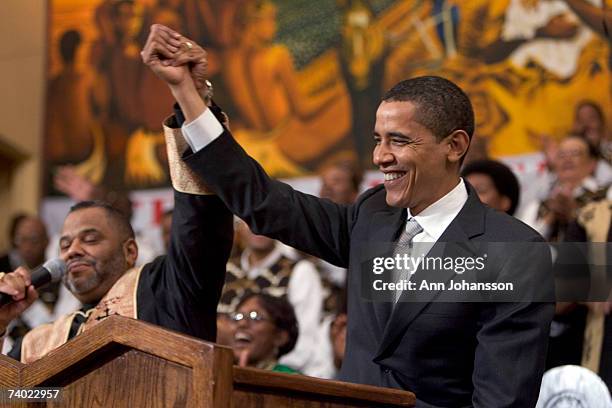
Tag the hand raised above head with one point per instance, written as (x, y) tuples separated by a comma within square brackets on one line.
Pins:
[(161, 48), (74, 185), (196, 58), (182, 64)]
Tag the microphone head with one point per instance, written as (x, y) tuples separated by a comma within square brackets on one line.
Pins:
[(56, 268)]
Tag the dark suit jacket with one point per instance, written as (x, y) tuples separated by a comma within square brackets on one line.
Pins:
[(449, 354)]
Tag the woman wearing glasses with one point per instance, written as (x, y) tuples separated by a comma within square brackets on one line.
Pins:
[(265, 328)]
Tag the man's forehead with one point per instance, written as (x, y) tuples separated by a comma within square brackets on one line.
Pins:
[(397, 113), (396, 108), (29, 224), (86, 218)]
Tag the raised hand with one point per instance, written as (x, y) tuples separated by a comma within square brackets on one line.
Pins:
[(182, 64), (74, 185), (193, 56), (161, 47), (243, 360)]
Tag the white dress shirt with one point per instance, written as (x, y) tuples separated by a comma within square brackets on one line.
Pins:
[(437, 217), (200, 132)]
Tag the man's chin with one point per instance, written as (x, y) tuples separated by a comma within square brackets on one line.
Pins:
[(80, 286)]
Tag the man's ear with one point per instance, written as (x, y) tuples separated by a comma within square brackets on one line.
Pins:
[(130, 251), (505, 203), (458, 143)]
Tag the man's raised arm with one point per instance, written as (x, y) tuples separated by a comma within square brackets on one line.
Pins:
[(270, 207)]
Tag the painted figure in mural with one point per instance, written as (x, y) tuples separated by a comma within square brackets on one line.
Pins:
[(362, 60), (293, 129), (505, 54), (134, 143), (599, 19), (73, 134), (522, 52), (114, 57), (519, 53)]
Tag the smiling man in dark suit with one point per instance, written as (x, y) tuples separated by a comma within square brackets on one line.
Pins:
[(449, 354)]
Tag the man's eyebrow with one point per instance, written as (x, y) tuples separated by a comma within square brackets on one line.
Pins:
[(399, 135), (393, 134), (84, 231)]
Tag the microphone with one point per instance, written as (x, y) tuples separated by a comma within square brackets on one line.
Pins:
[(50, 271)]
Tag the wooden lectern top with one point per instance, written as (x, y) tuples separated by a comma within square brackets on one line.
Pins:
[(123, 362)]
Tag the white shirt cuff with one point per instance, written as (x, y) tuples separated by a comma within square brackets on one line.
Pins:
[(203, 130)]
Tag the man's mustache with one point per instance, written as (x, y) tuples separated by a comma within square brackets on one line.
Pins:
[(88, 262)]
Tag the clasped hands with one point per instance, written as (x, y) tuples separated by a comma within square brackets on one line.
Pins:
[(176, 59)]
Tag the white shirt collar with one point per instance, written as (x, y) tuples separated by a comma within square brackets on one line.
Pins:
[(437, 217)]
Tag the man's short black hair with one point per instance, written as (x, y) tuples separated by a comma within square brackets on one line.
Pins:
[(503, 178), (441, 106), (116, 216), (283, 316)]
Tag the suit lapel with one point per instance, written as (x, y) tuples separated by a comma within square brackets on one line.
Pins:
[(468, 223), (388, 225)]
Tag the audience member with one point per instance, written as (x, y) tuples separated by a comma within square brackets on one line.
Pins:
[(340, 183), (11, 260), (581, 333), (264, 267), (495, 184), (264, 329), (574, 185), (28, 237), (333, 340), (338, 338), (590, 123)]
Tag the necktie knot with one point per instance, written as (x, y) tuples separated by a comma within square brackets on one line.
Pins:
[(412, 229)]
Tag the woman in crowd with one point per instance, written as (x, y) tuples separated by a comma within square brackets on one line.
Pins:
[(265, 328)]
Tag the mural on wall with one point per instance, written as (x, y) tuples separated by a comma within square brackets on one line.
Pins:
[(301, 79)]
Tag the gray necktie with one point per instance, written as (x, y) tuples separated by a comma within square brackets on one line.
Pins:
[(404, 246)]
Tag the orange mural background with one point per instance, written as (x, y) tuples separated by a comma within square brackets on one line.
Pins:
[(301, 80)]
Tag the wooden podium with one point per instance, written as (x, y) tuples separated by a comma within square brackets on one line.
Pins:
[(123, 362)]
